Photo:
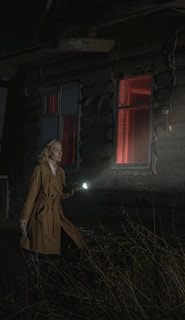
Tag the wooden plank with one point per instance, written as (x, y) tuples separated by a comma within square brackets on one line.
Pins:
[(96, 150), (7, 70), (85, 44), (4, 194)]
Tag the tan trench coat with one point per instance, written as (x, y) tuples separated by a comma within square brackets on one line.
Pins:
[(44, 214)]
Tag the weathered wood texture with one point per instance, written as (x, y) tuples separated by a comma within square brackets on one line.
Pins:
[(85, 44), (152, 45)]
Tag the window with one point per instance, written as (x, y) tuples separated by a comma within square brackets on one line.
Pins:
[(133, 121), (60, 120), (51, 104)]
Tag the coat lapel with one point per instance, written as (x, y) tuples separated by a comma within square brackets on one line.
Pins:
[(55, 181)]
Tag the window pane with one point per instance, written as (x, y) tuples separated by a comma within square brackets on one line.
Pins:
[(70, 99), (135, 91), (133, 127), (49, 129), (69, 140), (133, 135), (70, 95)]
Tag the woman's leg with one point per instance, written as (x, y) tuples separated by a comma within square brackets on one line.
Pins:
[(68, 247), (33, 257)]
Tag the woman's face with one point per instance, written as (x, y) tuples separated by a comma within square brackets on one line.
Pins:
[(55, 152)]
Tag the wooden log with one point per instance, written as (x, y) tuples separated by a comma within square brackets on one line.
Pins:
[(85, 44), (96, 150)]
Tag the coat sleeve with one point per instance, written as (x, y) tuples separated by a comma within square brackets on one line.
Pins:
[(67, 194), (35, 184)]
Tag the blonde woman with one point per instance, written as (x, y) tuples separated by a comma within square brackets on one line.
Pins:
[(42, 216)]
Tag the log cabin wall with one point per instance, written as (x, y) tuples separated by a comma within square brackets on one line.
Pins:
[(155, 45)]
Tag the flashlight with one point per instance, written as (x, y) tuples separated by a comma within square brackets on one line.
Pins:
[(84, 186)]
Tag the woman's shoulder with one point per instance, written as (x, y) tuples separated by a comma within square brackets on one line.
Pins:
[(39, 167), (44, 165), (61, 170)]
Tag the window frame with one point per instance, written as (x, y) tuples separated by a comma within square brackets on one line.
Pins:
[(132, 166), (60, 118)]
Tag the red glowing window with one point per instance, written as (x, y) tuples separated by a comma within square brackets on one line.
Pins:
[(69, 102), (133, 121), (51, 104), (69, 140)]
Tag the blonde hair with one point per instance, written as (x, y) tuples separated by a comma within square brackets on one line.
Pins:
[(44, 155)]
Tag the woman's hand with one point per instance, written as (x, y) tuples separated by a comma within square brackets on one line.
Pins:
[(75, 189), (23, 223)]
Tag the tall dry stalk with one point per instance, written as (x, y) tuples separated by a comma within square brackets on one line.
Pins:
[(134, 275)]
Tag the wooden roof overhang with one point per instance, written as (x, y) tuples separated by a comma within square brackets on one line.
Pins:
[(77, 31)]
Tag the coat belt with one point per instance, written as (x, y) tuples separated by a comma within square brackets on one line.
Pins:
[(54, 206)]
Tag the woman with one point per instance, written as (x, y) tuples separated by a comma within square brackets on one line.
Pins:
[(42, 216)]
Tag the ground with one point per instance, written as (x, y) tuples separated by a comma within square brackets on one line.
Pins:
[(30, 292), (11, 265), (135, 274)]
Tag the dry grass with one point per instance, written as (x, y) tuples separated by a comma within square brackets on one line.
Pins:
[(136, 275)]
